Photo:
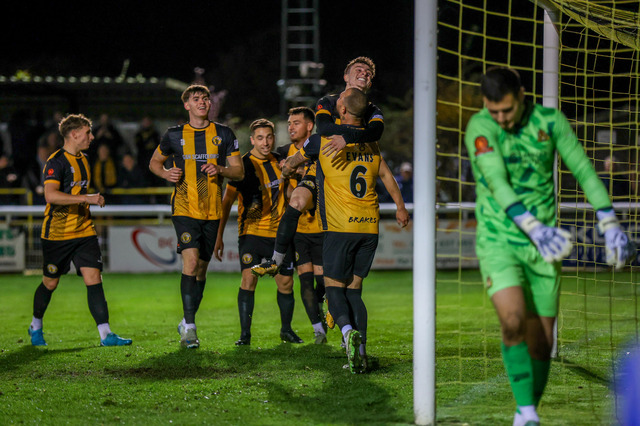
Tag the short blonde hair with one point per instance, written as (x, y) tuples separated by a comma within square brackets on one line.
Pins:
[(72, 122), (362, 60)]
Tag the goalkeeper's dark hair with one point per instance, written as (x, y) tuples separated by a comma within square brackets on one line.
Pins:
[(305, 111), (261, 122), (362, 60), (498, 82), (72, 122), (194, 88)]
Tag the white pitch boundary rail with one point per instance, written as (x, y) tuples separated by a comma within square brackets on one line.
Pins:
[(162, 211), (133, 211), (618, 206)]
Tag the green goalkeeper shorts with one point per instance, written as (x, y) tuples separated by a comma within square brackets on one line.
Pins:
[(506, 265)]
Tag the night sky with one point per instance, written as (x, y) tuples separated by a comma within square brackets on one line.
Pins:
[(236, 42)]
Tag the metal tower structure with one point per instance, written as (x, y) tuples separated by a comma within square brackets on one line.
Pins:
[(300, 68)]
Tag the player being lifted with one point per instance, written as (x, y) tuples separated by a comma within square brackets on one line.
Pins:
[(358, 74), (68, 233), (200, 151), (261, 202), (308, 237), (348, 208), (519, 248)]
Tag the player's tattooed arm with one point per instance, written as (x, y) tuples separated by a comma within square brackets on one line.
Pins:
[(292, 163)]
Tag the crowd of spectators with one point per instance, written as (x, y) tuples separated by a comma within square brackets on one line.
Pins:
[(114, 160), (404, 177), (118, 162)]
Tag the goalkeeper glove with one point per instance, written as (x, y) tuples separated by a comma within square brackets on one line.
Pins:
[(554, 244), (619, 248)]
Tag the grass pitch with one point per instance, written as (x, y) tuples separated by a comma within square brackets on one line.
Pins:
[(75, 381)]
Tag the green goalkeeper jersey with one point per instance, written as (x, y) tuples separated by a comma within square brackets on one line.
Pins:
[(518, 166)]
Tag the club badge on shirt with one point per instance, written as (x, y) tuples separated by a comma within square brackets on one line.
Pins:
[(542, 136), (482, 146)]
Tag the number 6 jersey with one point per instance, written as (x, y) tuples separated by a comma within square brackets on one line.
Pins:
[(347, 198)]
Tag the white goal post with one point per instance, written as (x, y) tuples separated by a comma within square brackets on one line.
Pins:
[(424, 213)]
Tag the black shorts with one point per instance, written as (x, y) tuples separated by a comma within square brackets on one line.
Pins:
[(308, 248), (196, 233), (348, 254), (58, 255), (309, 182), (253, 249)]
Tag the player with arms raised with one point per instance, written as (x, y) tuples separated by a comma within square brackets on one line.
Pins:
[(350, 216), (511, 143), (358, 74)]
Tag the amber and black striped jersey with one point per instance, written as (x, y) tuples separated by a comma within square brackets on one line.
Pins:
[(328, 120), (74, 220), (308, 223), (347, 198), (198, 195), (261, 196)]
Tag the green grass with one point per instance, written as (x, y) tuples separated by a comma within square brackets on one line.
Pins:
[(153, 381), (598, 317)]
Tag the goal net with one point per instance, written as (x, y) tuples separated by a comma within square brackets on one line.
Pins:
[(598, 81)]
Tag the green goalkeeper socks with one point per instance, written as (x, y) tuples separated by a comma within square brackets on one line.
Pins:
[(517, 362), (540, 376)]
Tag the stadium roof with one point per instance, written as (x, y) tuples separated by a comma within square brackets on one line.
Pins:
[(122, 96)]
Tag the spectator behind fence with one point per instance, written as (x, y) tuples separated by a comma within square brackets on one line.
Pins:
[(104, 170), (405, 181), (8, 180), (383, 194), (52, 140), (24, 139), (131, 176), (612, 179), (35, 176), (147, 140), (105, 134), (51, 125)]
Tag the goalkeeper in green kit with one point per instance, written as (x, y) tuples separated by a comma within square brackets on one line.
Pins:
[(511, 144)]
